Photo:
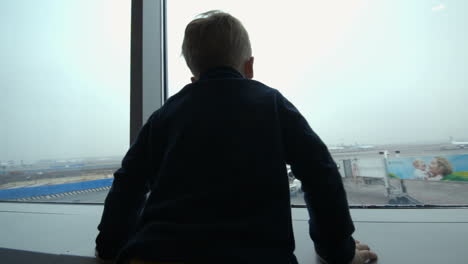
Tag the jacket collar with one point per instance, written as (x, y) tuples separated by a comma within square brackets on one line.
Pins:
[(221, 73)]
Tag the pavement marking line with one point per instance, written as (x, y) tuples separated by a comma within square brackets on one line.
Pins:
[(58, 195)]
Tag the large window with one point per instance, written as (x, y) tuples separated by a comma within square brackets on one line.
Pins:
[(381, 82), (384, 84), (65, 96)]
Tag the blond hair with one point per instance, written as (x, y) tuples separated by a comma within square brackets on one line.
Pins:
[(444, 165), (215, 39)]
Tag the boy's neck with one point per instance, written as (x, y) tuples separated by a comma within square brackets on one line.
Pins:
[(221, 73)]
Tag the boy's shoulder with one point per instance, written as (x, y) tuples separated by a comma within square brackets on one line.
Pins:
[(208, 88), (213, 85)]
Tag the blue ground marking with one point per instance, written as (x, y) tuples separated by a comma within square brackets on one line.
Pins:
[(53, 189)]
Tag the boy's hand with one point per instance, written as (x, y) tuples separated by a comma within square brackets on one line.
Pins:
[(363, 254)]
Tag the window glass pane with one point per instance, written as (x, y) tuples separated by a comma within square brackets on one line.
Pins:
[(383, 83), (64, 104)]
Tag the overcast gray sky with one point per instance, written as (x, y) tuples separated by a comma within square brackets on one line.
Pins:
[(366, 71), (64, 78)]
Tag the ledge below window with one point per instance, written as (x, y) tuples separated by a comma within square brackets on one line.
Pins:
[(65, 233)]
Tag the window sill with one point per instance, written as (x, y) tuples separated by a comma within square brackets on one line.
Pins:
[(65, 233)]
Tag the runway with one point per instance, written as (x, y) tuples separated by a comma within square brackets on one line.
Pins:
[(404, 151), (358, 192), (435, 193), (89, 197)]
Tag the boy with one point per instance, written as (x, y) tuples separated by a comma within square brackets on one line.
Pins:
[(237, 210)]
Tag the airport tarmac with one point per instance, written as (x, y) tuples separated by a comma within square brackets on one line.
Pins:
[(359, 193), (437, 192), (90, 197), (404, 151), (434, 193)]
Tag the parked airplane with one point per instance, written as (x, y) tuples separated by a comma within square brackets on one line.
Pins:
[(460, 144), (335, 148), (350, 147), (365, 147)]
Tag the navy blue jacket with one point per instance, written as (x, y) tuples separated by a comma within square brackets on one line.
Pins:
[(213, 160)]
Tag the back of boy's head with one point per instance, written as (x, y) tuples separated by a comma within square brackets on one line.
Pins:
[(215, 39)]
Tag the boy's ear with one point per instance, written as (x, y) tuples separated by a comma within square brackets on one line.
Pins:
[(248, 68)]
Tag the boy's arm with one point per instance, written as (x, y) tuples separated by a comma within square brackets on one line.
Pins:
[(126, 197), (330, 222)]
